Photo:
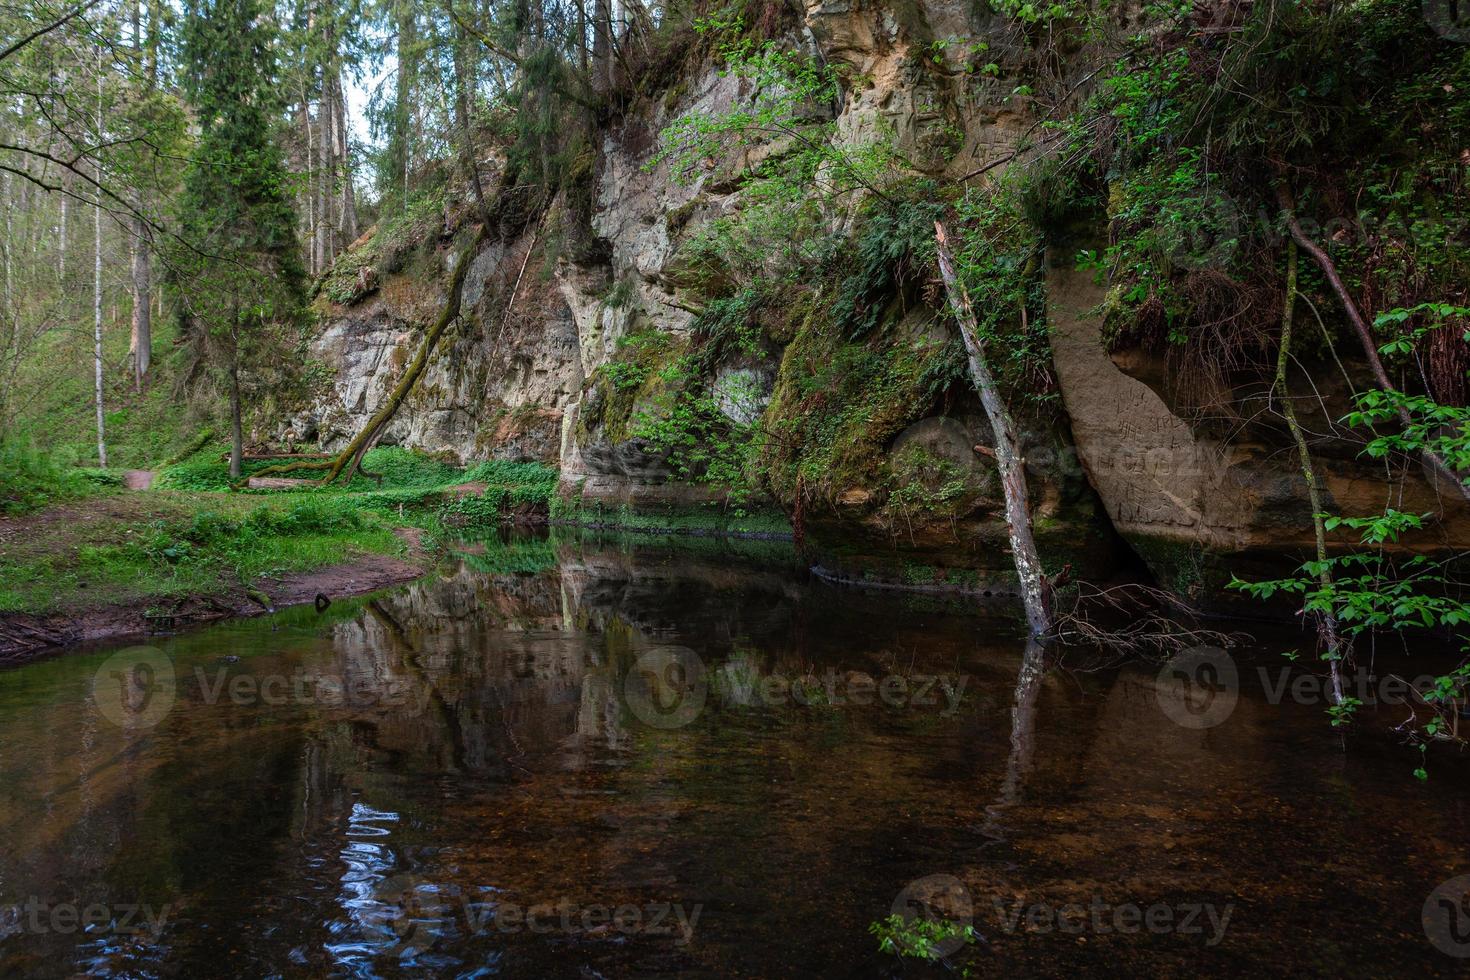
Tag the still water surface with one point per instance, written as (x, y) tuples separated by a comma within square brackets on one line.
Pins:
[(579, 758)]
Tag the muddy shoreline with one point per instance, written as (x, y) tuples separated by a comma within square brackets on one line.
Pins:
[(25, 637)]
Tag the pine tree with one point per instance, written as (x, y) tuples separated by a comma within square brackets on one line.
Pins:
[(240, 281)]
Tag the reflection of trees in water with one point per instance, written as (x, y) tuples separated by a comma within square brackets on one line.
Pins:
[(1034, 665)]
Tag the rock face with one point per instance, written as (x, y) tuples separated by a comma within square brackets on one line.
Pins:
[(497, 386), (562, 359), (1198, 505)]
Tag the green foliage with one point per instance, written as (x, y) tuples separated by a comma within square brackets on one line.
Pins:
[(892, 249), (236, 270), (1372, 589), (918, 937), (922, 485), (998, 256), (516, 556), (1360, 109), (399, 469), (635, 359), (684, 422), (838, 402), (194, 553), (792, 99), (31, 479), (511, 487)]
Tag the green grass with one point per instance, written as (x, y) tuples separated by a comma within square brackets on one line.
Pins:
[(143, 429), (31, 479), (147, 548)]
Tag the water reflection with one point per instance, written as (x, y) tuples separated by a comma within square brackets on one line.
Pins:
[(456, 778)]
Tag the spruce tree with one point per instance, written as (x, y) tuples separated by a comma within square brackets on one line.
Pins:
[(240, 279)]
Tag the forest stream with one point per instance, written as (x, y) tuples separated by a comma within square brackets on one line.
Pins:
[(582, 757)]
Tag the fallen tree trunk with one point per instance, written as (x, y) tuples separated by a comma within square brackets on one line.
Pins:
[(257, 457), (1360, 325), (350, 458), (1007, 447), (1327, 629)]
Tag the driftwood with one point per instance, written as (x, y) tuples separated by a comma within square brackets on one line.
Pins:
[(1007, 447)]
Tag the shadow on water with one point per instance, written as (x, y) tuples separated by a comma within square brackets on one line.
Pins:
[(574, 756)]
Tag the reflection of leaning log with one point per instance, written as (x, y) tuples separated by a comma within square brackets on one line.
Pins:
[(410, 660), (1034, 665)]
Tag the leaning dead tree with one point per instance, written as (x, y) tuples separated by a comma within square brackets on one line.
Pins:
[(346, 463), (1007, 446), (1324, 261), (1327, 628)]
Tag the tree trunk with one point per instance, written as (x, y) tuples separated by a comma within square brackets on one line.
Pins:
[(401, 137), (140, 353), (602, 46), (142, 338), (1360, 325), (1007, 447), (1327, 623), (97, 295), (350, 458), (61, 237), (347, 207), (324, 188), (97, 334), (237, 436), (310, 216)]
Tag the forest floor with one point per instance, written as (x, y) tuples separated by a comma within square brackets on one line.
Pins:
[(122, 564)]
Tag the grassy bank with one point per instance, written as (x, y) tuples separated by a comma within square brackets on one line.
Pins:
[(144, 548)]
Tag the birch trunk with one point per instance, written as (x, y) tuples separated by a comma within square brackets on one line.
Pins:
[(97, 333), (97, 295), (1007, 447), (237, 436)]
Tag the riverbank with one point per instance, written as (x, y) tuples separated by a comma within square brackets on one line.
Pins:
[(119, 565)]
